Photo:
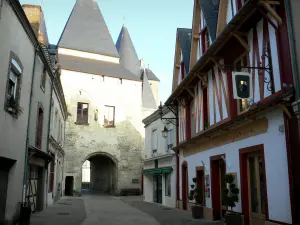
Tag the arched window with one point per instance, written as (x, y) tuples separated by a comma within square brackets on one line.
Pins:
[(39, 128)]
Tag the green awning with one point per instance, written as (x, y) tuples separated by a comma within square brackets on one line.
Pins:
[(158, 170)]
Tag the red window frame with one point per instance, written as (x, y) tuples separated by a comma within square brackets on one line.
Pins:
[(205, 109)]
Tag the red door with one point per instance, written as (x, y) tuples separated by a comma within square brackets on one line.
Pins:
[(184, 185)]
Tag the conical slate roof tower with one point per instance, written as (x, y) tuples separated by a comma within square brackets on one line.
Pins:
[(128, 56), (86, 30)]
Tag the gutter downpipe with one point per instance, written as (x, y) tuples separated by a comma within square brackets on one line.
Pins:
[(36, 50), (177, 159), (49, 124)]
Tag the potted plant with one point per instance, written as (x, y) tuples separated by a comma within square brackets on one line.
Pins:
[(13, 106), (196, 195), (230, 197)]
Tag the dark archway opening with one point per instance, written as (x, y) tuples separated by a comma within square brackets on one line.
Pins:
[(102, 173), (69, 182)]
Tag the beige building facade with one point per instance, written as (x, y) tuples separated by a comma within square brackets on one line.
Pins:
[(108, 92)]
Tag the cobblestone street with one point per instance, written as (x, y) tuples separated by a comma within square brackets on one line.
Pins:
[(96, 209)]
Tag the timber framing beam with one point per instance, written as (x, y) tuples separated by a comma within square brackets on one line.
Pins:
[(267, 5), (190, 92), (217, 63), (242, 41)]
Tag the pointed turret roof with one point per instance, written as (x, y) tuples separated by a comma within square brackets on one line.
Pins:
[(86, 30), (128, 56), (148, 98)]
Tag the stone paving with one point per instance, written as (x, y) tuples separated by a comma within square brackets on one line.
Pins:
[(95, 209)]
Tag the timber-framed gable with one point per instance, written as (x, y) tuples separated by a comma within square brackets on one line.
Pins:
[(250, 39)]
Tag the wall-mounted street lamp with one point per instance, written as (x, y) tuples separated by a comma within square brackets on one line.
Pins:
[(164, 132), (165, 120)]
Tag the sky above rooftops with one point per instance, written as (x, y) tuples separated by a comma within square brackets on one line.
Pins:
[(152, 26)]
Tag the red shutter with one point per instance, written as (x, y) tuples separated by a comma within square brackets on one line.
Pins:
[(39, 129)]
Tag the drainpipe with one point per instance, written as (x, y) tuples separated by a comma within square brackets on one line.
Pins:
[(49, 124), (177, 156), (28, 125)]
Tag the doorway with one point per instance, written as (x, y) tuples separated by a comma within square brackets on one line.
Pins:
[(184, 184), (218, 171), (253, 185), (3, 191), (200, 179), (69, 185), (157, 188)]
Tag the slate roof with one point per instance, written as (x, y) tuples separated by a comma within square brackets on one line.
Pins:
[(128, 56), (95, 67), (185, 40), (86, 30), (211, 13), (147, 94), (150, 75)]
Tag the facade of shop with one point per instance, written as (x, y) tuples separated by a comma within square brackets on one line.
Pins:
[(159, 169), (250, 138)]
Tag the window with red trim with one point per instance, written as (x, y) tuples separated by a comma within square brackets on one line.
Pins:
[(39, 128)]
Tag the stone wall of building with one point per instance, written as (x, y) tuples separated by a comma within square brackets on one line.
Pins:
[(122, 144)]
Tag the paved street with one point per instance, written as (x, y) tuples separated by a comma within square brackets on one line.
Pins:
[(94, 209)]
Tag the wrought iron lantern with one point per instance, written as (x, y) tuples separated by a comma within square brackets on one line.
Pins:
[(164, 132)]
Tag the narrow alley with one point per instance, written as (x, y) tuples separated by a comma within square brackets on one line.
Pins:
[(94, 209)]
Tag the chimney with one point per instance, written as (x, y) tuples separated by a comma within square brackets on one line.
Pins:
[(35, 16), (142, 62)]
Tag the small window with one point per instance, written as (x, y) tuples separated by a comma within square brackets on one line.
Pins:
[(39, 128), (168, 184), (154, 140), (43, 79), (82, 113), (109, 116), (13, 86)]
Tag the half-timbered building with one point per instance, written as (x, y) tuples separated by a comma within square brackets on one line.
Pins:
[(218, 134)]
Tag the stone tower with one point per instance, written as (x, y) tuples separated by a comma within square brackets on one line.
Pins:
[(108, 94)]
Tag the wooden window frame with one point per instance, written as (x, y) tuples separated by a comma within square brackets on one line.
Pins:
[(16, 66), (39, 127), (81, 120), (43, 80), (107, 125)]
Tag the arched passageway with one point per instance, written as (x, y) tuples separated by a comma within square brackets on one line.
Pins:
[(99, 173)]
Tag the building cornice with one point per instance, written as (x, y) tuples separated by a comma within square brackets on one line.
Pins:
[(154, 116), (169, 154), (56, 145)]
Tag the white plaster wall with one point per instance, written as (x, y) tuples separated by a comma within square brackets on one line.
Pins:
[(148, 188), (54, 124), (275, 163), (13, 135), (162, 142), (44, 98)]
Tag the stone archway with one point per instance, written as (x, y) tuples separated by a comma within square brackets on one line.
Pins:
[(103, 173)]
